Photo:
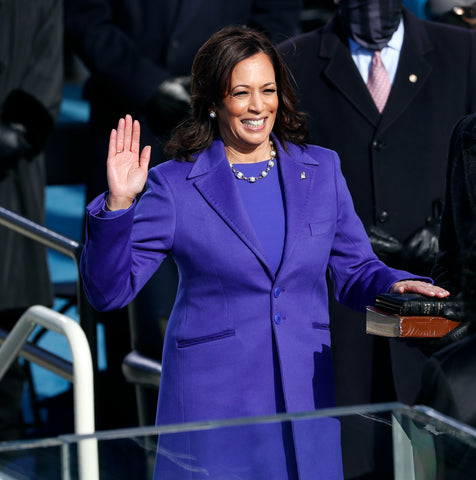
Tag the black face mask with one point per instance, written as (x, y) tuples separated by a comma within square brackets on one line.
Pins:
[(370, 23)]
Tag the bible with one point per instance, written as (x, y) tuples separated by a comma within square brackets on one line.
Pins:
[(416, 304), (386, 324)]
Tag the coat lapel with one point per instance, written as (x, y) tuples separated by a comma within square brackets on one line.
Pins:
[(298, 176), (213, 179), (216, 184), (342, 72), (412, 72)]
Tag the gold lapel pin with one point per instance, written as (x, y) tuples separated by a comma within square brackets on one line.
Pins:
[(413, 78), (303, 175)]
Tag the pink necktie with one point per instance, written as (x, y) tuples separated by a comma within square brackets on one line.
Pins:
[(379, 82)]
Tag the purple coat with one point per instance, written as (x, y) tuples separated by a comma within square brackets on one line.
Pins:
[(238, 331)]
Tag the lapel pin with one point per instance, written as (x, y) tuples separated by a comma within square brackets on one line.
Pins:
[(303, 175), (413, 78)]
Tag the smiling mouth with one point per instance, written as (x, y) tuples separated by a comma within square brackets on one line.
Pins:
[(253, 123)]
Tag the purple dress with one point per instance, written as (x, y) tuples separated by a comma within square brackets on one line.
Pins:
[(263, 201)]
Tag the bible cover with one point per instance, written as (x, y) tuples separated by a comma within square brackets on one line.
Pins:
[(388, 324), (416, 304)]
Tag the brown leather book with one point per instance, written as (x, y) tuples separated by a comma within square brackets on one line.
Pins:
[(388, 324)]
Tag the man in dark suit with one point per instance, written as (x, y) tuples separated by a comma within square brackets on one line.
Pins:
[(394, 161)]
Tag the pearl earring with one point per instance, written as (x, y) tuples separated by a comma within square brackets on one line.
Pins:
[(213, 114)]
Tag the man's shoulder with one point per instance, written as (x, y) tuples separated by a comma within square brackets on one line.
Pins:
[(303, 42)]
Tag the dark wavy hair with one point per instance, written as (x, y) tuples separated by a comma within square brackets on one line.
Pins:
[(211, 76)]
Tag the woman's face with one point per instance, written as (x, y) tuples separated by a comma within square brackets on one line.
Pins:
[(248, 111)]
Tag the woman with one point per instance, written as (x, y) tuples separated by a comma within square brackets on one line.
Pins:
[(253, 218)]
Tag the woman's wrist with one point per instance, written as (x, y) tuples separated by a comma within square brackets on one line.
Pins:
[(117, 203)]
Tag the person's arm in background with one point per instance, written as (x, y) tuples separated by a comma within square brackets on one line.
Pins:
[(447, 268), (94, 30), (107, 51), (459, 213)]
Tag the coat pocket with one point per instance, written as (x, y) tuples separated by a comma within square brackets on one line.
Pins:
[(320, 326), (190, 342)]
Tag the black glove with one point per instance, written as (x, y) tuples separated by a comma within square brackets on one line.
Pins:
[(386, 247), (170, 104), (421, 249), (25, 124), (13, 142)]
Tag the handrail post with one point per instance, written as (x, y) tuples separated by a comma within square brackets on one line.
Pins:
[(83, 377)]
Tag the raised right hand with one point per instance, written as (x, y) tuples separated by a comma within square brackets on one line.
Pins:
[(126, 170)]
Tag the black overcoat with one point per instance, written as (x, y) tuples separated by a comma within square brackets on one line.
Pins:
[(31, 76)]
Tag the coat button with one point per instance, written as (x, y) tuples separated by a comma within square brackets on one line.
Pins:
[(277, 318), (383, 216), (277, 292), (378, 145)]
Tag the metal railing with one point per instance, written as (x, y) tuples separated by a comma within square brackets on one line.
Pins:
[(82, 378), (66, 246), (43, 358), (82, 339)]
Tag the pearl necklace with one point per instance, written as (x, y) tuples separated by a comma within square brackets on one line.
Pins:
[(271, 162)]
